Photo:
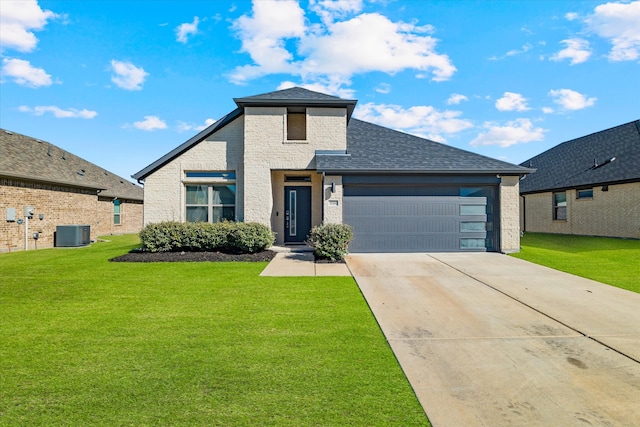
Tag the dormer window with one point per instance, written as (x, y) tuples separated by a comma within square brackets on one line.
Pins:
[(296, 124)]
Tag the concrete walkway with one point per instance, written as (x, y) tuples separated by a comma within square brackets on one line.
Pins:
[(490, 340), (300, 262)]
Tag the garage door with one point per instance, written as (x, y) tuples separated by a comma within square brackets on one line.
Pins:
[(420, 219)]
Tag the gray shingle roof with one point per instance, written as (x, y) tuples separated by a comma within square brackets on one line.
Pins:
[(297, 96), (294, 93), (586, 161), (370, 147), (23, 157), (375, 148)]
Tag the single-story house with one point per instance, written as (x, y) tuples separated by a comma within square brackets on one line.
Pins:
[(62, 189), (586, 186), (294, 158)]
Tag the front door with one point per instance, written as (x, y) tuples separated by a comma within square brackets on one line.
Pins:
[(297, 214)]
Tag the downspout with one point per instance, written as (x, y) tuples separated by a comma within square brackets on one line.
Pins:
[(524, 214), (322, 210)]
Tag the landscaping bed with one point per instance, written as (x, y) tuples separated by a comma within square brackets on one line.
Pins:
[(183, 256)]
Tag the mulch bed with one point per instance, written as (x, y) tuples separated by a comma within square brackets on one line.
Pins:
[(139, 256)]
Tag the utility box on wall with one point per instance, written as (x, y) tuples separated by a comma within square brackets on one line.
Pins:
[(73, 235)]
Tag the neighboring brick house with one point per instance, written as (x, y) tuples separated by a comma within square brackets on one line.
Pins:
[(294, 158), (586, 186), (64, 189)]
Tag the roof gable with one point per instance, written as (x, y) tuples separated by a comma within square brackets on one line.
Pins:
[(605, 157), (32, 159), (375, 148), (297, 96)]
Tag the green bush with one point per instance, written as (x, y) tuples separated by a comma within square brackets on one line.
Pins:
[(234, 237), (250, 237), (330, 241)]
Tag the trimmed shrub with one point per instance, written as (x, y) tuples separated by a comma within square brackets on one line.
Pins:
[(250, 237), (232, 237), (330, 241)]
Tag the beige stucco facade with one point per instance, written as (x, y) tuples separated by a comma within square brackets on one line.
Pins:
[(612, 213)]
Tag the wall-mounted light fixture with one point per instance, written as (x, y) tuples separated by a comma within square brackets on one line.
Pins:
[(333, 187)]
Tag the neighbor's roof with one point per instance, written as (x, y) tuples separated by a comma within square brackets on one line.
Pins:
[(297, 96), (373, 148), (605, 157), (31, 159)]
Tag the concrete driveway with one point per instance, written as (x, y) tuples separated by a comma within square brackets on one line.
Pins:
[(490, 340)]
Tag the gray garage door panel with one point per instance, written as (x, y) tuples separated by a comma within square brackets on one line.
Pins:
[(415, 223)]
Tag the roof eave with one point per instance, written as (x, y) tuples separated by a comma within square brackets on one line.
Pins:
[(45, 180), (586, 185), (349, 104), (337, 171)]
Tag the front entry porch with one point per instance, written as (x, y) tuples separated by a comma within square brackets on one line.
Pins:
[(297, 204)]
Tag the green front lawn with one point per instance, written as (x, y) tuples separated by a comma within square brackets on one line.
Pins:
[(87, 342), (612, 261)]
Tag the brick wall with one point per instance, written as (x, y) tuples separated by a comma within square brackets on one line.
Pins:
[(60, 205), (612, 213)]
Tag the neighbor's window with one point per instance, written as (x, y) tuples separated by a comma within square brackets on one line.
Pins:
[(560, 206), (585, 193), (211, 202), (116, 212), (296, 124)]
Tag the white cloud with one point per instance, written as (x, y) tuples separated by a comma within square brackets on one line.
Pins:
[(278, 40), (525, 48), (571, 100), (456, 99), (571, 16), (330, 10), (547, 110), (619, 23), (150, 123), (518, 131), (127, 76), (418, 120), (183, 31), (511, 101), (58, 112), (24, 74), (18, 20), (577, 51), (383, 88), (184, 126)]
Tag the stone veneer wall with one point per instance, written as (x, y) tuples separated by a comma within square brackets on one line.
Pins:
[(509, 214), (612, 213), (61, 205)]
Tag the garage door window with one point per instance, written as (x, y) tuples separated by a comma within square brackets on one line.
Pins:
[(472, 243), (473, 227), (473, 209)]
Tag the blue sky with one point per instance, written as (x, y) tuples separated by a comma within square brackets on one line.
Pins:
[(121, 83)]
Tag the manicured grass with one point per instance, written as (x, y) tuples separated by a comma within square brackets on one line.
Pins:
[(612, 261), (87, 342)]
